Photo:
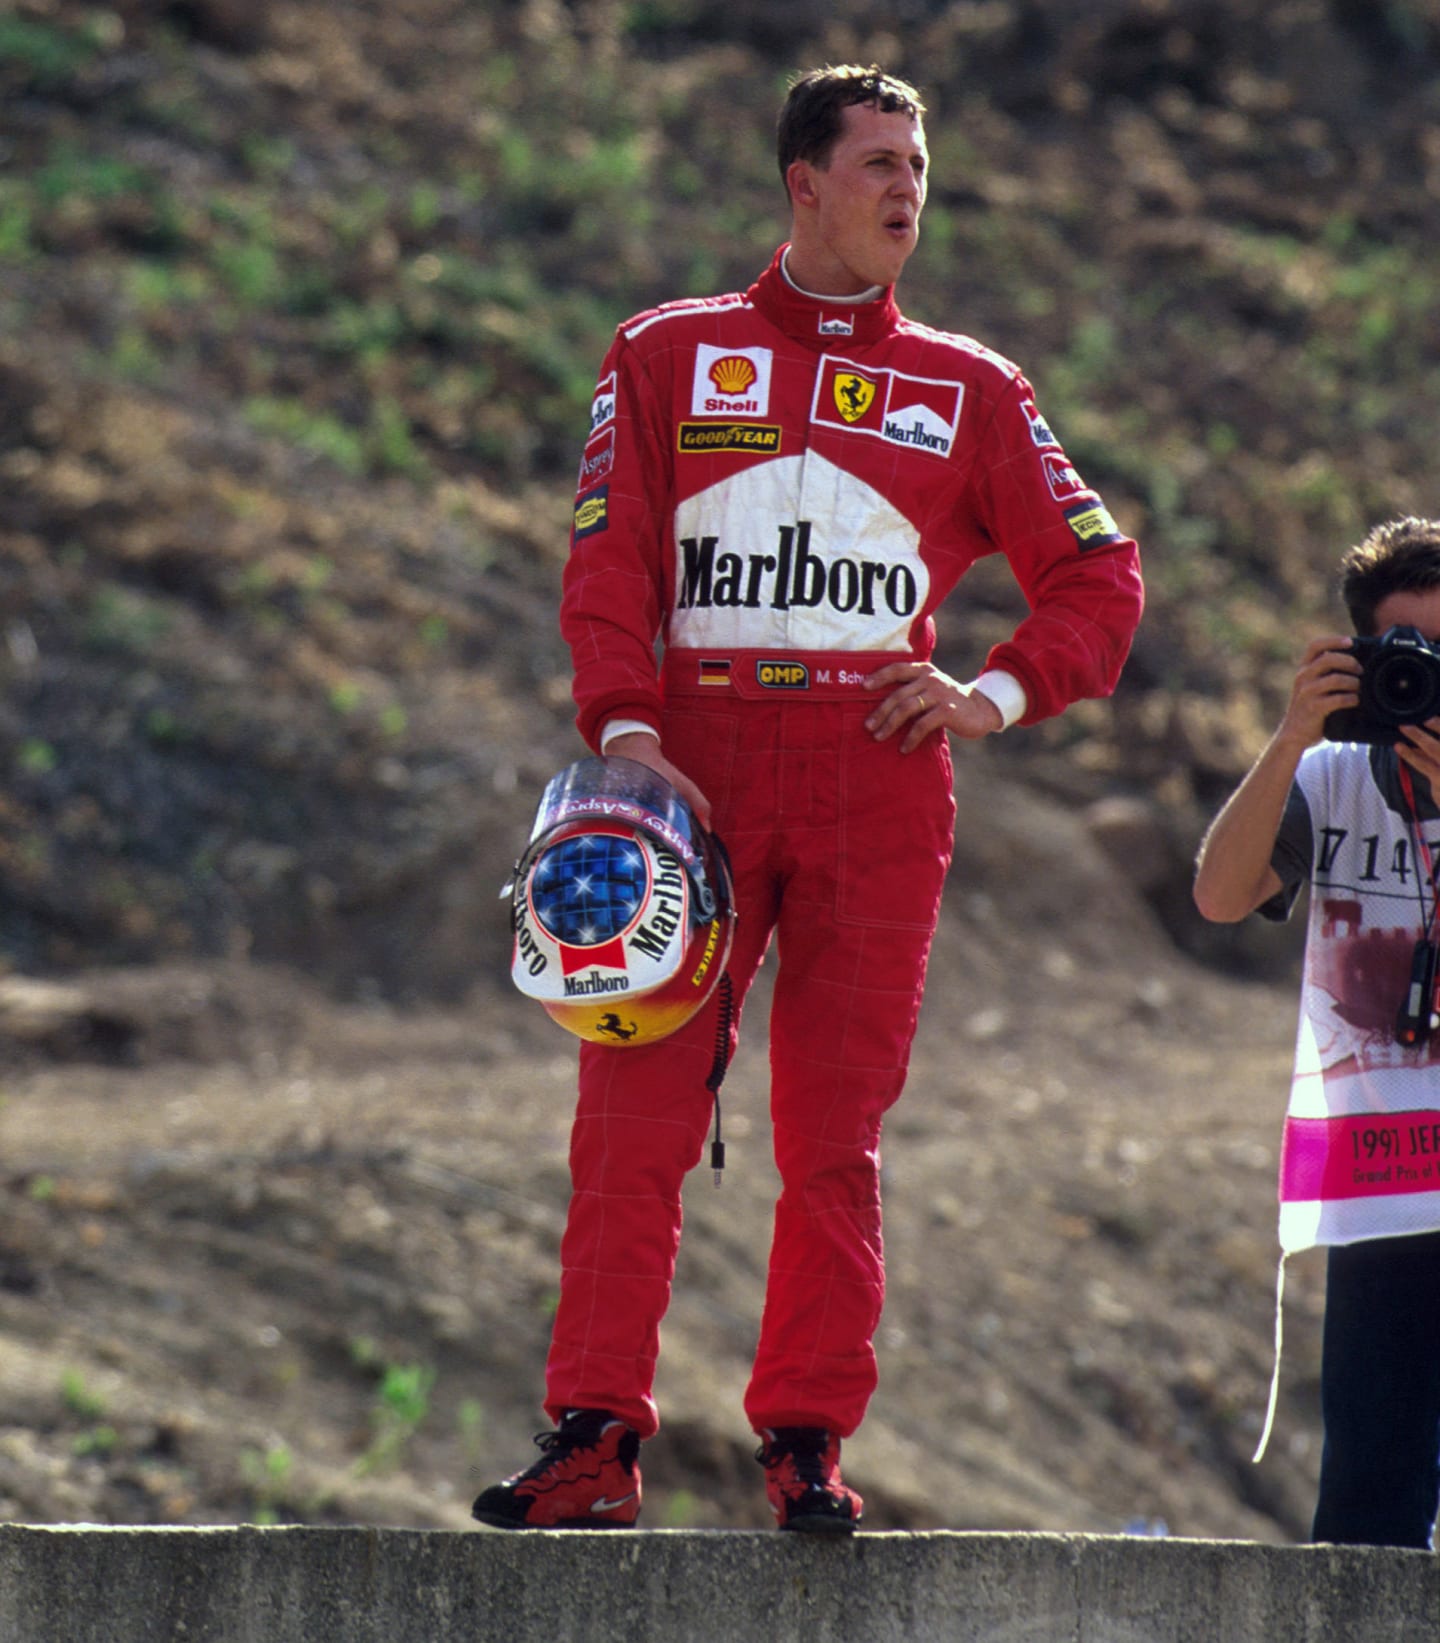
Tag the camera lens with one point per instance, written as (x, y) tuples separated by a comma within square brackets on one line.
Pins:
[(1405, 685)]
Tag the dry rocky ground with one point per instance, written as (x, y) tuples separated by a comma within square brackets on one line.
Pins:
[(262, 1255)]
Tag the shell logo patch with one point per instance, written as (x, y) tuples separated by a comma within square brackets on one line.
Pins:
[(732, 382), (733, 374)]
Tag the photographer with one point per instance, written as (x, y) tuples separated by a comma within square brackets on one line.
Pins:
[(1347, 804)]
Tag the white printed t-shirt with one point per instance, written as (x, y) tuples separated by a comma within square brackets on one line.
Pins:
[(1361, 1151)]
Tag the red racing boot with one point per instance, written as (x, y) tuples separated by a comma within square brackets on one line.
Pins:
[(802, 1480), (587, 1478)]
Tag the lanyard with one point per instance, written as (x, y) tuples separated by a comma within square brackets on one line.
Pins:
[(1422, 851)]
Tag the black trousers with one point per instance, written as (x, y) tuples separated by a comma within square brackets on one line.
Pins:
[(1380, 1394)]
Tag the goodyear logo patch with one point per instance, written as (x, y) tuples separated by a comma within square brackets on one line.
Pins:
[(592, 512), (782, 675), (1092, 525), (701, 438)]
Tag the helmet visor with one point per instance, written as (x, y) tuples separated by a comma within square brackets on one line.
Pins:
[(624, 791)]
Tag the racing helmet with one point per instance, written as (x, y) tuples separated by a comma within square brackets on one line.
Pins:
[(622, 906)]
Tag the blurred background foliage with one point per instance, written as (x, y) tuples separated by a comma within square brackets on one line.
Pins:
[(300, 307)]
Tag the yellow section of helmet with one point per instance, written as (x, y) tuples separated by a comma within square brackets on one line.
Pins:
[(615, 1020)]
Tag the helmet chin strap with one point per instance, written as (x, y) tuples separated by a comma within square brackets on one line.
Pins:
[(718, 1069)]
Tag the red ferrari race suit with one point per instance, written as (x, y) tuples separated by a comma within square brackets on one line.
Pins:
[(782, 490)]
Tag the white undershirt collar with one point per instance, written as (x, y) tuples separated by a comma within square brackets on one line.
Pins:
[(818, 296)]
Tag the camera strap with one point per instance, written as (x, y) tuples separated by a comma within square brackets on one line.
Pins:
[(1422, 853), (1419, 1012)]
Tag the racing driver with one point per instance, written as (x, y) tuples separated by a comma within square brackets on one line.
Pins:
[(781, 486)]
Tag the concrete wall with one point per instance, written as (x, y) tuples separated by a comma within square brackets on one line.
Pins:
[(300, 1585)]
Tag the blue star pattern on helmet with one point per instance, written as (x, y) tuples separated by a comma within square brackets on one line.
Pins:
[(588, 889)]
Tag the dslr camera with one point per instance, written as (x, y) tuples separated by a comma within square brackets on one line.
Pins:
[(1399, 685)]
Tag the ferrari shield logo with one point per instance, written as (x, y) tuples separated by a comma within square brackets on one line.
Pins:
[(854, 395)]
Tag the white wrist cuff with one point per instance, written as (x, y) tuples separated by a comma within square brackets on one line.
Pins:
[(625, 727), (1007, 693)]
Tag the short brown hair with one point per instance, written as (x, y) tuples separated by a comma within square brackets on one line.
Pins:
[(1402, 556), (813, 113)]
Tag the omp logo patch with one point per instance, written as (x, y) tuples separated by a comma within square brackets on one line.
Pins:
[(782, 675), (592, 512), (922, 413), (702, 438), (602, 407), (731, 381), (1092, 525)]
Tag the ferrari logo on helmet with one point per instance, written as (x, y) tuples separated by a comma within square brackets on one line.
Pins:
[(854, 395), (611, 1026)]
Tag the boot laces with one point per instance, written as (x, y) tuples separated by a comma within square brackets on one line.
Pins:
[(573, 1433), (807, 1450)]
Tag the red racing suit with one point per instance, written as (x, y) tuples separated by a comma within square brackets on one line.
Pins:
[(782, 490)]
